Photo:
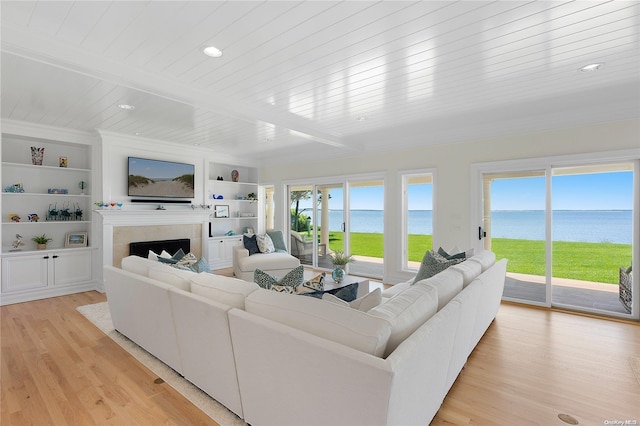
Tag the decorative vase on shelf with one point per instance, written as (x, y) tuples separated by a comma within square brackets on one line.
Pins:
[(37, 154), (338, 273), (235, 175)]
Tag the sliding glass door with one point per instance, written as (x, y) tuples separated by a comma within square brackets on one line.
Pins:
[(346, 216), (591, 235), (366, 227), (568, 232), (515, 228)]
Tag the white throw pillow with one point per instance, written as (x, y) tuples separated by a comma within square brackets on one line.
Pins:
[(152, 255), (368, 301), (265, 244)]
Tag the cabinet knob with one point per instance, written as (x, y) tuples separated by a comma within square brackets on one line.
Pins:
[(45, 257), (55, 256)]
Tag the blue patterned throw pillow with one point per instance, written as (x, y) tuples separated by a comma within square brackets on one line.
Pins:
[(286, 284), (348, 293), (173, 259), (433, 263), (443, 253)]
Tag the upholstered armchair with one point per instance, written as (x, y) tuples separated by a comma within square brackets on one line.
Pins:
[(277, 264), (299, 247)]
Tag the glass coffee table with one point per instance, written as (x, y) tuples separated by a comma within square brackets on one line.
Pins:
[(330, 284)]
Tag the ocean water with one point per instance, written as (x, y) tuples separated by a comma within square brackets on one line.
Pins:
[(613, 226)]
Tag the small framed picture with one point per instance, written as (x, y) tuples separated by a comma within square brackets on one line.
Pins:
[(75, 239), (221, 210), (62, 161)]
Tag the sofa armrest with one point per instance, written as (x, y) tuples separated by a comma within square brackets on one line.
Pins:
[(239, 252)]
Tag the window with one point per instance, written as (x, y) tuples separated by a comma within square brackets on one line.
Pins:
[(417, 216)]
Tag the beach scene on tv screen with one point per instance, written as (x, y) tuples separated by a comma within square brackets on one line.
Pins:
[(153, 178)]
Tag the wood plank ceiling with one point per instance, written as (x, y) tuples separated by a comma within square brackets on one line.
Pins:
[(319, 78)]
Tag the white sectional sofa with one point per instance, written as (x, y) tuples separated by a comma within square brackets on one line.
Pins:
[(282, 359)]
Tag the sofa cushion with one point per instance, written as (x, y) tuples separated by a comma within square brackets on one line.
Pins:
[(406, 312), (251, 244), (286, 284), (227, 290), (447, 284), (396, 289), (172, 276), (469, 271), (137, 265), (268, 262), (485, 258), (433, 263), (278, 240), (330, 321)]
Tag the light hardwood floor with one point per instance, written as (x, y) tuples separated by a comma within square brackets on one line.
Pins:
[(530, 366)]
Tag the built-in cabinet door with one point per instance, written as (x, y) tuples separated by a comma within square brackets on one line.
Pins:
[(24, 273), (221, 251), (216, 253), (229, 245), (71, 267)]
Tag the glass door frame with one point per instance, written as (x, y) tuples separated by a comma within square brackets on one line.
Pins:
[(315, 183), (315, 213), (478, 170)]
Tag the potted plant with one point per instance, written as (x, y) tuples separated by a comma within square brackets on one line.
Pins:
[(339, 259), (41, 241)]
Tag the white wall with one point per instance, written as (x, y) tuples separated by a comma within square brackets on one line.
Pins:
[(116, 148), (452, 164)]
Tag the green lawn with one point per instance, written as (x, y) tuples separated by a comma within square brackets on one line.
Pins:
[(597, 262)]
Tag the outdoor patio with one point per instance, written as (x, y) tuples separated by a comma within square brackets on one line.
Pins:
[(582, 294)]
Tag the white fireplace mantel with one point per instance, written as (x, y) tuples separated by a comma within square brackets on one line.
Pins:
[(110, 219), (152, 217)]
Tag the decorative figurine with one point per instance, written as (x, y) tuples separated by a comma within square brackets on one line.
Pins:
[(52, 213), (33, 217), (13, 217), (17, 243), (78, 212)]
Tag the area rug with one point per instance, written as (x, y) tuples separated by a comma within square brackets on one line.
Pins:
[(635, 366), (100, 316)]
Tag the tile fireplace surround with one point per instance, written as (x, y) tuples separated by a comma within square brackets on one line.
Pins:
[(119, 228)]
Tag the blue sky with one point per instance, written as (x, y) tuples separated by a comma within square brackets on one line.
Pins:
[(158, 169), (601, 191)]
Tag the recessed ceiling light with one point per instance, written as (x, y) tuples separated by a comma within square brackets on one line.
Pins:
[(591, 67), (137, 133), (212, 51), (362, 118), (127, 107)]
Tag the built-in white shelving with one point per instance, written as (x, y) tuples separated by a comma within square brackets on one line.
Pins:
[(29, 273)]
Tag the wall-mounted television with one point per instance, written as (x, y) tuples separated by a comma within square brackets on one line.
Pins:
[(160, 179)]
